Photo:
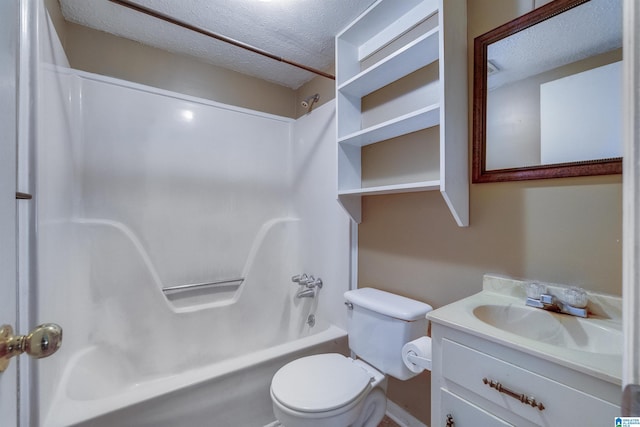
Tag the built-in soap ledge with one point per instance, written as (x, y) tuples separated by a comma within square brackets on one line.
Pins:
[(599, 304), (195, 296)]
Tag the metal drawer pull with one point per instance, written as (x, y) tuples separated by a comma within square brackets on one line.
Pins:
[(531, 401), (450, 422)]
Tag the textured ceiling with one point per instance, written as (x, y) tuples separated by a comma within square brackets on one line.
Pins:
[(298, 30), (592, 28)]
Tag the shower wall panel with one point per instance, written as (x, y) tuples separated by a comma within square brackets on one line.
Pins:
[(194, 183), (325, 228), (138, 190)]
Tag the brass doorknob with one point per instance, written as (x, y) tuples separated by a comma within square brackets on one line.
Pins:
[(42, 341)]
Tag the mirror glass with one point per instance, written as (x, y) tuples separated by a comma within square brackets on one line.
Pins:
[(548, 93)]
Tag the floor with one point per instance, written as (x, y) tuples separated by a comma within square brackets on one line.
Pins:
[(388, 422)]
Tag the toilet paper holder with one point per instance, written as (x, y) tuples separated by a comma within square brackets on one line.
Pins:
[(423, 362), (416, 355)]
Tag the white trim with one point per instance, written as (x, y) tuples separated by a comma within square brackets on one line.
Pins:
[(631, 198), (402, 417), (353, 261), (164, 92), (26, 110), (395, 412)]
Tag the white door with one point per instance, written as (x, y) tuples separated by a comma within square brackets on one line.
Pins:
[(9, 35)]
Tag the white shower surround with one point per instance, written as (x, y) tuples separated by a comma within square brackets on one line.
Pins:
[(139, 189)]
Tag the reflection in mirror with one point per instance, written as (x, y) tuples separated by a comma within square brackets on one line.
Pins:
[(548, 93)]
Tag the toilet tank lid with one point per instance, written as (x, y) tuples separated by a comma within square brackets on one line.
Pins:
[(388, 304)]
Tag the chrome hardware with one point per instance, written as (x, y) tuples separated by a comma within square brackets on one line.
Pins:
[(527, 400), (306, 293), (314, 283), (551, 303), (349, 305), (300, 279), (450, 422), (42, 341), (574, 301), (219, 283), (309, 282), (311, 320)]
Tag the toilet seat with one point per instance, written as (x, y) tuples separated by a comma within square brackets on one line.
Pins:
[(320, 383)]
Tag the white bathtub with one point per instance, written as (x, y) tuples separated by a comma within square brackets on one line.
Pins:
[(231, 393)]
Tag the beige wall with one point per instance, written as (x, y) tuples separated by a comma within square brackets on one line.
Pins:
[(564, 230), (102, 53)]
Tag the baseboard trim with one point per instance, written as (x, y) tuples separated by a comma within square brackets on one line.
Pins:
[(402, 417), (395, 412)]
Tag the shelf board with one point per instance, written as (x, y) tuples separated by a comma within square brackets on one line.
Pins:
[(415, 55), (391, 189), (411, 122), (384, 21)]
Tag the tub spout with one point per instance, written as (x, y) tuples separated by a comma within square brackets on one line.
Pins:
[(306, 293)]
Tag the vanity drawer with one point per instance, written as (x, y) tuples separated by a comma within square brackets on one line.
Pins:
[(461, 413), (469, 368)]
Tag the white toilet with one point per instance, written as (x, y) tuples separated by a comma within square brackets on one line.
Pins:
[(331, 390)]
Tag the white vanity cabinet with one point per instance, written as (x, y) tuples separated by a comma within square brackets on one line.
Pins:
[(401, 95), (477, 382)]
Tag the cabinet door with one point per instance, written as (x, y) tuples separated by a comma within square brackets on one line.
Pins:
[(457, 412), (562, 405)]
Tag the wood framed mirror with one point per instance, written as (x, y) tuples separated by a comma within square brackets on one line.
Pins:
[(548, 94)]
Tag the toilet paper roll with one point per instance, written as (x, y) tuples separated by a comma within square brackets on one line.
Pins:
[(416, 354)]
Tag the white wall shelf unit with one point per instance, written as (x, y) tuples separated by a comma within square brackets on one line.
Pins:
[(387, 43)]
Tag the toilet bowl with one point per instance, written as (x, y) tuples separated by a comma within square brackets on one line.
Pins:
[(328, 390)]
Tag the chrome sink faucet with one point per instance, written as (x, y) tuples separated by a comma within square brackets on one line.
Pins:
[(574, 303)]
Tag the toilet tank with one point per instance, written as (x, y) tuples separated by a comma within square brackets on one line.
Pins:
[(380, 324)]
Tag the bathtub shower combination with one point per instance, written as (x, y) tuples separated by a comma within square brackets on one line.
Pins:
[(168, 232)]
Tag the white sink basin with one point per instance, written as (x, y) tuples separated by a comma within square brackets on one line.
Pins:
[(588, 335)]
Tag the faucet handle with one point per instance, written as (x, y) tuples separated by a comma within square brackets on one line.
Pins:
[(300, 279), (575, 296), (535, 290), (314, 283)]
